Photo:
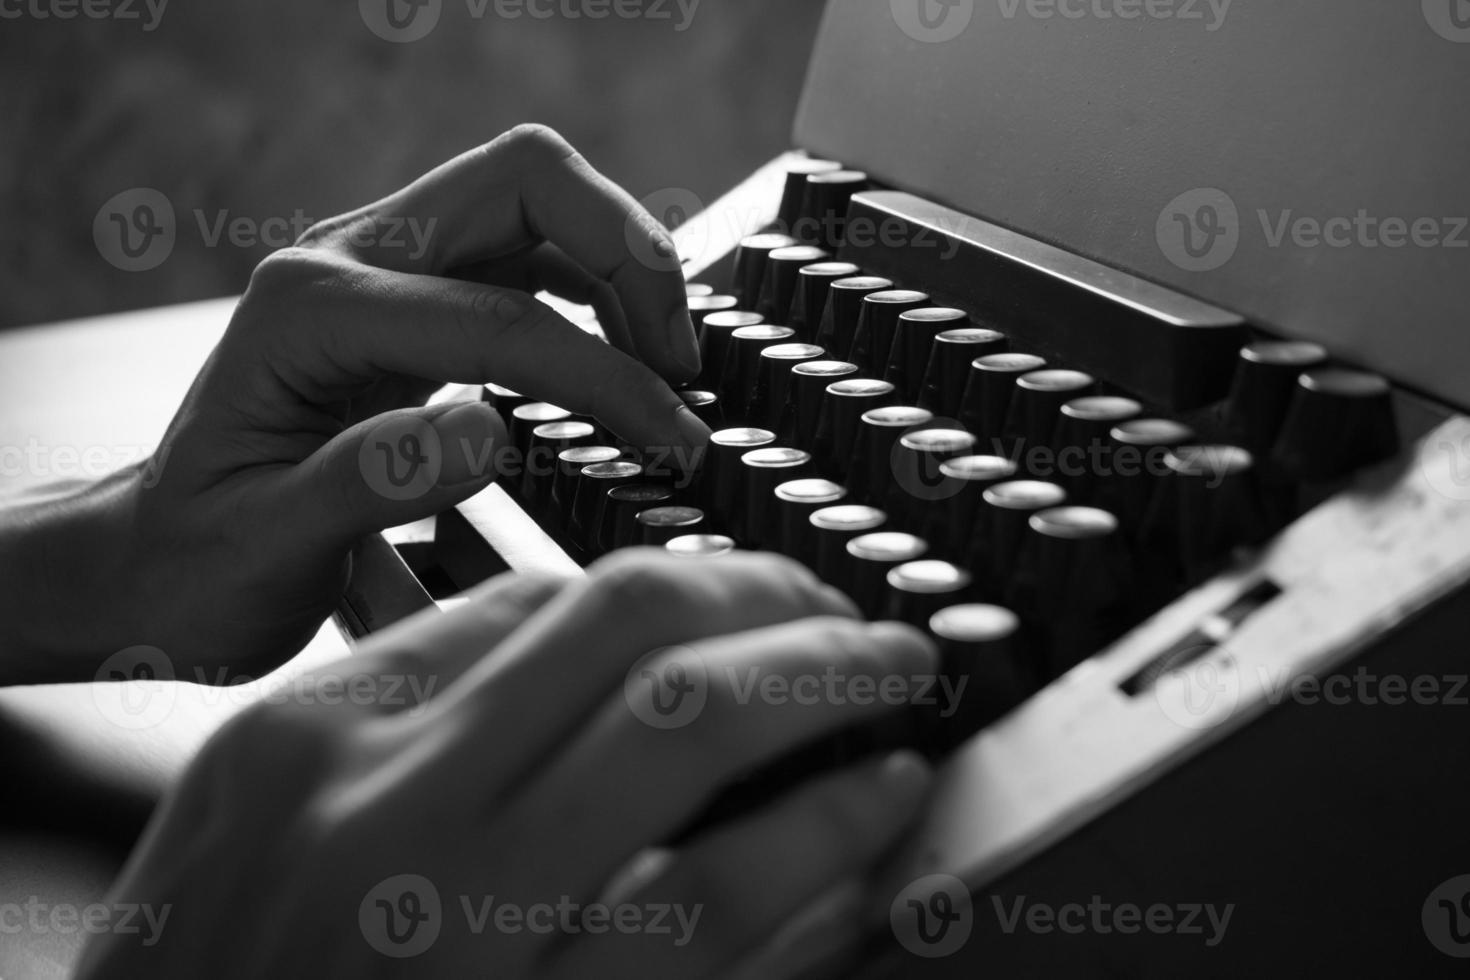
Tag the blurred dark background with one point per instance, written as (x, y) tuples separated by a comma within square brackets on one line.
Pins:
[(260, 109)]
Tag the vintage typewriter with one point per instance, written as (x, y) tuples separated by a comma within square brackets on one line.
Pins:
[(1009, 350)]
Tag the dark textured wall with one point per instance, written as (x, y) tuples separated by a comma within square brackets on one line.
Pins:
[(264, 108)]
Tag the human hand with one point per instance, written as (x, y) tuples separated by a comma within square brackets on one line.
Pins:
[(365, 840), (228, 548)]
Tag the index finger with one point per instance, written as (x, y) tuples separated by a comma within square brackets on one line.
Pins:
[(530, 185)]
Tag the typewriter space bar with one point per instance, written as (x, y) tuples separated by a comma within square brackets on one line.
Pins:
[(1171, 349)]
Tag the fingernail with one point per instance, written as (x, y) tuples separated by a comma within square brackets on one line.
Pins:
[(694, 433), (905, 644), (470, 436), (682, 344), (904, 774)]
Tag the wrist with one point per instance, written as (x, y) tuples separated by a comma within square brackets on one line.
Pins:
[(69, 561)]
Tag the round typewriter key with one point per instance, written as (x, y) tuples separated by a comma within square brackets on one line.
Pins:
[(954, 351), (1209, 504), (720, 480), (1000, 527), (1136, 463), (878, 324), (833, 528), (1265, 379), (1083, 440), (700, 546), (869, 559), (548, 441), (987, 397), (844, 307), (980, 646), (773, 378), (778, 288), (796, 501), (843, 405), (590, 499), (1073, 578), (618, 527), (805, 390), (1339, 421), (703, 305), (762, 470), (715, 331), (503, 400), (870, 474), (913, 342), (919, 589), (660, 525), (751, 256), (1031, 420), (824, 207), (706, 407), (737, 378), (949, 522), (918, 480), (694, 289), (813, 283), (569, 465), (524, 420), (797, 171)]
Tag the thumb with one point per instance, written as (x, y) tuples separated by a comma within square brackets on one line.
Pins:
[(401, 466)]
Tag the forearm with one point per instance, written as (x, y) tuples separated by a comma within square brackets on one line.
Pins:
[(65, 561)]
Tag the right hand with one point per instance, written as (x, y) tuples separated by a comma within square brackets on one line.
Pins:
[(528, 776)]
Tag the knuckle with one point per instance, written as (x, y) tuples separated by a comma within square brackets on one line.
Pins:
[(536, 142), (291, 270), (637, 582)]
